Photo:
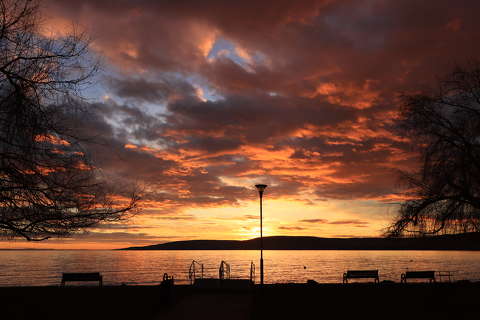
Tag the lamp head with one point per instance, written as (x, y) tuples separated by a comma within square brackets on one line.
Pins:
[(260, 187)]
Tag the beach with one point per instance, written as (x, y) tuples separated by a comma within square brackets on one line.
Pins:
[(274, 301)]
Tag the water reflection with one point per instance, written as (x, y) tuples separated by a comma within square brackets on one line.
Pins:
[(26, 268)]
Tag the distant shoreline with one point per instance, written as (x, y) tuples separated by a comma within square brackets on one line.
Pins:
[(460, 242)]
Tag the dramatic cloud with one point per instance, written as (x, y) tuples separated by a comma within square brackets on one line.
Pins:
[(201, 99)]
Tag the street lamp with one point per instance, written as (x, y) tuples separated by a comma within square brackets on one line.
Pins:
[(261, 188)]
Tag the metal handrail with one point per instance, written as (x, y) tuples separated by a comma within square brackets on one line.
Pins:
[(444, 274), (224, 271), (252, 272), (192, 271)]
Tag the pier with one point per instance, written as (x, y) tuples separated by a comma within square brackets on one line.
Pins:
[(224, 280)]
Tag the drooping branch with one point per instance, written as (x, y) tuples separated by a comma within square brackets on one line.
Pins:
[(445, 127), (48, 184)]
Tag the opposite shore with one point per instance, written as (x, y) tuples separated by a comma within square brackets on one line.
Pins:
[(466, 241)]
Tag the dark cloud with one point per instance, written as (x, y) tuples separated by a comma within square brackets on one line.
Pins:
[(354, 222), (177, 217), (131, 237), (254, 119), (314, 220), (291, 228), (347, 236), (122, 226), (305, 44), (153, 91)]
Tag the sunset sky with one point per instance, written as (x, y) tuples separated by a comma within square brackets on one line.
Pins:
[(197, 101)]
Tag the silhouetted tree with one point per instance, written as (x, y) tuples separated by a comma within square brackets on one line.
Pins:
[(445, 128), (48, 185)]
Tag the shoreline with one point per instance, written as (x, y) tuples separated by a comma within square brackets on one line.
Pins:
[(250, 289), (465, 241), (325, 249)]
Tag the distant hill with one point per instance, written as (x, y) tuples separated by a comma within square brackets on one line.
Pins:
[(466, 241)]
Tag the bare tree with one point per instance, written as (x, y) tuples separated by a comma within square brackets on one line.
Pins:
[(48, 185), (445, 128)]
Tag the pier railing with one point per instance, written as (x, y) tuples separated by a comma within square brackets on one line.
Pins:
[(444, 276), (198, 271), (252, 272), (194, 270), (224, 271)]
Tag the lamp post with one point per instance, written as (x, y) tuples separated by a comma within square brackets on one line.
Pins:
[(261, 188)]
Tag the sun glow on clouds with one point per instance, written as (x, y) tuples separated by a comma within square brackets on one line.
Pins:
[(210, 99), (206, 44), (350, 95), (243, 222), (211, 221)]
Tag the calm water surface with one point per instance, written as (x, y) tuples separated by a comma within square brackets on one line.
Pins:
[(39, 268)]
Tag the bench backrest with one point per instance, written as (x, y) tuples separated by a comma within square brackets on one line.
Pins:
[(91, 276), (362, 274), (420, 274)]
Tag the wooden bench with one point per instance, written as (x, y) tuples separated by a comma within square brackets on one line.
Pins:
[(360, 274), (430, 275), (91, 276)]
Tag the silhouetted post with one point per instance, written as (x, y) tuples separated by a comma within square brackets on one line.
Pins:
[(261, 188)]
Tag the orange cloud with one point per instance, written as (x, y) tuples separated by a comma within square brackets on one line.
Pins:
[(51, 139)]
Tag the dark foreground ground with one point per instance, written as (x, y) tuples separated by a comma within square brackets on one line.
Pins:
[(286, 301)]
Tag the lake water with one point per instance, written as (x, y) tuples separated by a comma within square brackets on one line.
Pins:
[(40, 268)]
